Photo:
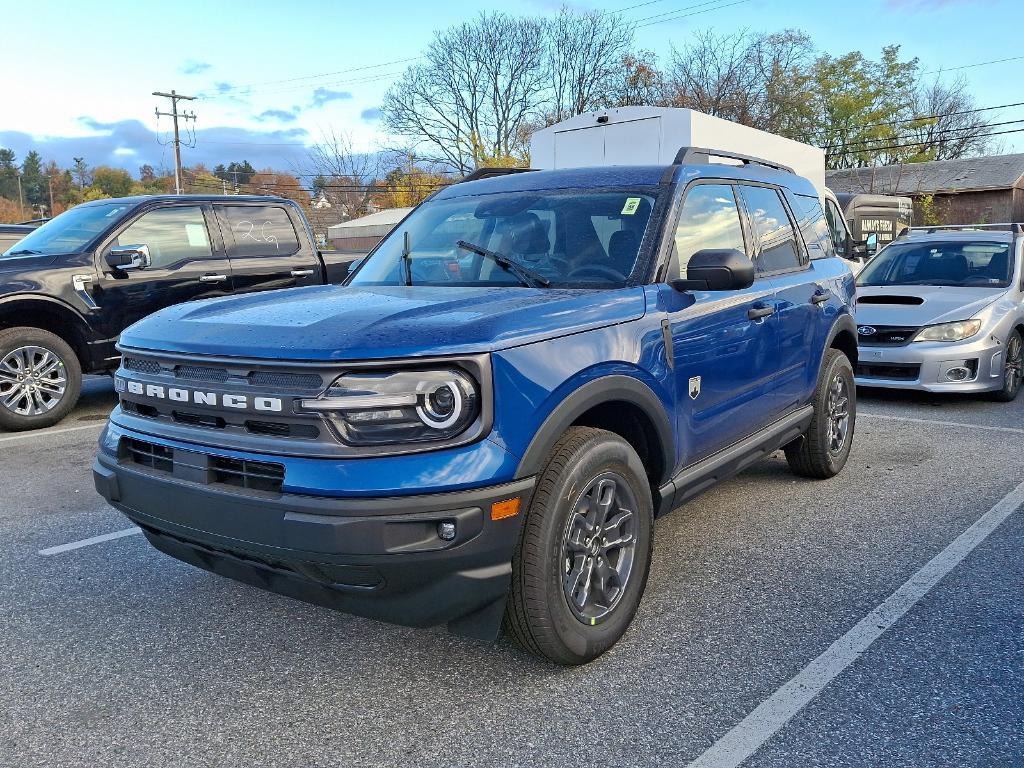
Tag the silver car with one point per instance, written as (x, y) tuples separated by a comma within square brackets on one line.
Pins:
[(942, 310)]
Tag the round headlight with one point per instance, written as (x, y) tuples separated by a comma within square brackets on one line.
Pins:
[(442, 406)]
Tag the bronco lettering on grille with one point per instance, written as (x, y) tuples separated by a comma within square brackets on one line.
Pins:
[(199, 397)]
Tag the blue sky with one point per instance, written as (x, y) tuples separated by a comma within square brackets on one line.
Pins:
[(273, 75)]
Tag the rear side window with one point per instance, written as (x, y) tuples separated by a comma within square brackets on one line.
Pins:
[(779, 249), (173, 235), (709, 219), (814, 227), (260, 230)]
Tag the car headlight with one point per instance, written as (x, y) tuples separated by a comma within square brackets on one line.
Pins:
[(958, 331), (395, 407)]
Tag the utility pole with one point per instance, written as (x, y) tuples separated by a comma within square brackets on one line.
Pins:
[(21, 197), (49, 183), (174, 115)]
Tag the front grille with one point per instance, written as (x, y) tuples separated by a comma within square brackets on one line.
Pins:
[(886, 335), (893, 371), (285, 380), (281, 429), (199, 419), (200, 373), (158, 457), (245, 473), (142, 366)]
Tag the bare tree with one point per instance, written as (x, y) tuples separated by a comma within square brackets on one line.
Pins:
[(344, 175), (481, 82), (585, 54), (638, 81)]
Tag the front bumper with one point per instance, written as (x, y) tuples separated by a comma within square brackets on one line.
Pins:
[(923, 365), (375, 557)]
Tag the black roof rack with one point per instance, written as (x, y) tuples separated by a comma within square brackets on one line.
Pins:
[(486, 173), (1013, 226), (702, 156)]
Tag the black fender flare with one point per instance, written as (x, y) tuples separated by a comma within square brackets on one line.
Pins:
[(845, 322), (613, 388)]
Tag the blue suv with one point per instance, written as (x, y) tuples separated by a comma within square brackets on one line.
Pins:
[(481, 426)]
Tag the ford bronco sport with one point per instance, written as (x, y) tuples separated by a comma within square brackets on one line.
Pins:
[(481, 426)]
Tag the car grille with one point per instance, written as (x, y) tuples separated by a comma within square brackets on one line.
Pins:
[(142, 366), (266, 476), (200, 373), (886, 335), (285, 380), (891, 371)]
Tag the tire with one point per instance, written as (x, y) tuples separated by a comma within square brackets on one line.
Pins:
[(56, 389), (1012, 369), (557, 538), (820, 452)]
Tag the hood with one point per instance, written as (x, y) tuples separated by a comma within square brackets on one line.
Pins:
[(917, 305), (365, 323), (25, 263)]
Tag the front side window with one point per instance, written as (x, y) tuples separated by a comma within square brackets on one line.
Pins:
[(963, 263), (260, 230), (779, 249), (814, 227), (709, 219), (578, 238), (173, 235), (835, 224), (71, 231)]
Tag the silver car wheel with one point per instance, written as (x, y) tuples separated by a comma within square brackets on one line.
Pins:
[(1013, 368), (838, 404), (32, 381)]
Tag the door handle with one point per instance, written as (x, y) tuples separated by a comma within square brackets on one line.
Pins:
[(302, 272), (756, 313), (212, 278), (820, 296)]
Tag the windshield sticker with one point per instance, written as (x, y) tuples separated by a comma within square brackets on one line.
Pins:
[(196, 235), (632, 203)]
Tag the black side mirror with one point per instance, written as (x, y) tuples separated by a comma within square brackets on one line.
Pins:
[(715, 269), (871, 244)]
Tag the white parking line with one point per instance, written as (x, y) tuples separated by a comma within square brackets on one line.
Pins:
[(45, 432), (89, 542), (939, 423), (773, 713)]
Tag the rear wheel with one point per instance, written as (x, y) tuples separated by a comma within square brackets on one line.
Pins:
[(581, 563), (1013, 369), (40, 378), (821, 452)]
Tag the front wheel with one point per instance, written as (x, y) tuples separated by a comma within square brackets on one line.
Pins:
[(581, 563), (1013, 368), (40, 378), (821, 452)]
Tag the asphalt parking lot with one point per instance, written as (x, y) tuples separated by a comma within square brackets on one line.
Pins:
[(115, 654)]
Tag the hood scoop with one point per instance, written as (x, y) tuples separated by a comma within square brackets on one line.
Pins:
[(907, 300)]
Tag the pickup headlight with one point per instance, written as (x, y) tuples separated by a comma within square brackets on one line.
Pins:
[(958, 331), (399, 407)]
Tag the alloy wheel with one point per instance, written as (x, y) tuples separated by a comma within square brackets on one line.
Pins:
[(1013, 368), (838, 405), (32, 380), (598, 548)]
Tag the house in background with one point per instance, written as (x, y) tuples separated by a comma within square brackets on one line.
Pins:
[(976, 190), (362, 234)]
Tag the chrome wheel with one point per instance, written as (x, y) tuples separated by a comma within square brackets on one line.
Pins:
[(32, 381), (598, 548), (1014, 365), (838, 405)]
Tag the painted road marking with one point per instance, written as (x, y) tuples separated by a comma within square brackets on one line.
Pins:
[(45, 432), (769, 717), (938, 423), (89, 542)]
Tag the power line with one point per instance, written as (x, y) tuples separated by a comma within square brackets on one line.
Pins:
[(692, 13), (932, 138), (972, 66), (923, 143)]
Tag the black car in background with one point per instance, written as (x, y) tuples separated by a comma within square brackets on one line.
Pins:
[(68, 288)]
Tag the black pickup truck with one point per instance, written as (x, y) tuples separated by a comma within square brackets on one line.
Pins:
[(69, 288)]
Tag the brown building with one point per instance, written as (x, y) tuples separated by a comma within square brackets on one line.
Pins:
[(977, 190)]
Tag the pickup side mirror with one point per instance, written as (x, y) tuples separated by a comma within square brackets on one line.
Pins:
[(871, 244), (716, 269), (127, 257)]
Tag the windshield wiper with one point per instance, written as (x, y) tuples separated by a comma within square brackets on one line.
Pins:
[(406, 258), (526, 276)]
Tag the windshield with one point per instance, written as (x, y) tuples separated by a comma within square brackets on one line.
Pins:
[(568, 238), (70, 231), (963, 263)]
